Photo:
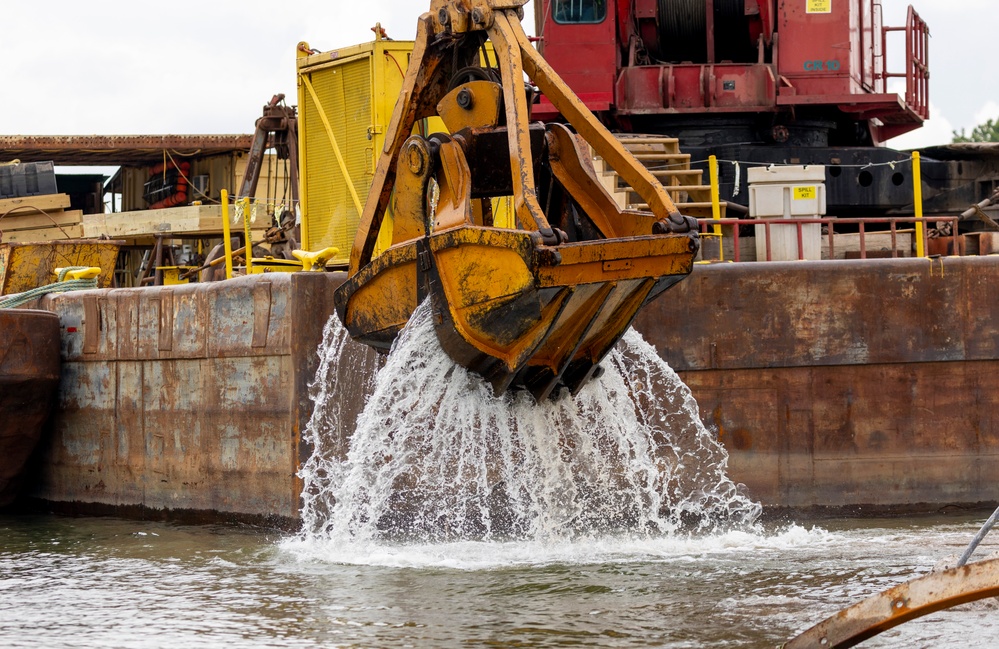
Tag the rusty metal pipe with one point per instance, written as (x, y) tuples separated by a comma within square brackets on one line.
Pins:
[(899, 604)]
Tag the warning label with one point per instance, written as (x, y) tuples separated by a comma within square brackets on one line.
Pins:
[(804, 193), (818, 6)]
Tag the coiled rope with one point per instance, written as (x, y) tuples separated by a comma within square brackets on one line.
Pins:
[(62, 285)]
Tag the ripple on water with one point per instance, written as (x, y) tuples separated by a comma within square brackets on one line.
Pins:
[(202, 587)]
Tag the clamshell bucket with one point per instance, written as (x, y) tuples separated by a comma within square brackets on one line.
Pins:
[(539, 300)]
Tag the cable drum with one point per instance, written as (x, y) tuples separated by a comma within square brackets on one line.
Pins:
[(683, 29), (732, 32), (473, 73)]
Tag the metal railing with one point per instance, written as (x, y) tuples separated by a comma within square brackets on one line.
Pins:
[(917, 54), (709, 229)]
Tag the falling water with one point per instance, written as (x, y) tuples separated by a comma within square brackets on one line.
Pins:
[(436, 457)]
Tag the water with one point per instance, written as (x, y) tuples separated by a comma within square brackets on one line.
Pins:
[(436, 457), (112, 583), (460, 519)]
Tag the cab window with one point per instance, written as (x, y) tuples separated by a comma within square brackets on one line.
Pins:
[(579, 11)]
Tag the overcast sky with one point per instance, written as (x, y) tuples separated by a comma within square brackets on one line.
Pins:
[(126, 67)]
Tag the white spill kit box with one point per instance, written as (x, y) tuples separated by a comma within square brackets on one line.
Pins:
[(787, 192)]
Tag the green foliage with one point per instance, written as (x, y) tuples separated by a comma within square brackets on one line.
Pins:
[(987, 132)]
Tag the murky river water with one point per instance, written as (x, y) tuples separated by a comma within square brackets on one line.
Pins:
[(99, 582)]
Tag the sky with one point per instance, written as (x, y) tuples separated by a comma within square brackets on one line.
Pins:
[(124, 67)]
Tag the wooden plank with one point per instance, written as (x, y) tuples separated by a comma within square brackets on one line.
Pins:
[(34, 220), (192, 220), (187, 219), (24, 205), (873, 242), (44, 234)]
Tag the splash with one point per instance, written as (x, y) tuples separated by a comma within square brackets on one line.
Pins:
[(435, 457)]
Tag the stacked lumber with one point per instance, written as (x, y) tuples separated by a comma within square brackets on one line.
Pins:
[(39, 218), (178, 222)]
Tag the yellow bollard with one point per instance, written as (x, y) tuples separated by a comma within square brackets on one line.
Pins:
[(716, 204), (315, 260), (917, 197), (88, 272), (225, 231)]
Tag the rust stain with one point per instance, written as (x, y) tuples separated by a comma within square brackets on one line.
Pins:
[(742, 439)]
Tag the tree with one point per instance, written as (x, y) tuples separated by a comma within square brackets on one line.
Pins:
[(987, 132)]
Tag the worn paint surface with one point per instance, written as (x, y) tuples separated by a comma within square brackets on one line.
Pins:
[(29, 374), (837, 384), (913, 599), (24, 266), (186, 398), (515, 305), (834, 384)]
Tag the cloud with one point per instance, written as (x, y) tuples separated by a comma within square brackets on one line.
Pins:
[(208, 67), (936, 130), (989, 111), (187, 67)]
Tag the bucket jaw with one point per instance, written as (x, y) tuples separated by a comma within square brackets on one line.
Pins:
[(525, 295)]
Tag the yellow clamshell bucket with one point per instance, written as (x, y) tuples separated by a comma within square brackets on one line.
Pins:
[(536, 302)]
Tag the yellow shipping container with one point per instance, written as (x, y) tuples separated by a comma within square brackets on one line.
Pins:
[(345, 102)]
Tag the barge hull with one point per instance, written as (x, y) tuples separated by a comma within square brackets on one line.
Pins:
[(869, 385), (842, 384), (186, 401), (29, 375)]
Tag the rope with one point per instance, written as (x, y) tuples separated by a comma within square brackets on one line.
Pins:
[(749, 163), (166, 154), (60, 286)]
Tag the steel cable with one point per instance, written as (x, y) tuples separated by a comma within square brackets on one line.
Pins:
[(978, 538), (682, 28)]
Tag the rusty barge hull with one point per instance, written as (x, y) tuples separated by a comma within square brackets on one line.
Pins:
[(185, 401), (29, 376), (841, 384), (869, 385)]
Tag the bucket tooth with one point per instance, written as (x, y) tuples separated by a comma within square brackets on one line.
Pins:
[(586, 360), (545, 370)]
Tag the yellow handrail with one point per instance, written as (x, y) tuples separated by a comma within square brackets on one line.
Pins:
[(225, 231), (248, 246), (917, 196)]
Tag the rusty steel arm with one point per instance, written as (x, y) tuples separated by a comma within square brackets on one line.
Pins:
[(403, 119), (597, 135), (439, 32), (516, 55), (505, 33), (424, 86), (278, 127), (899, 604)]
